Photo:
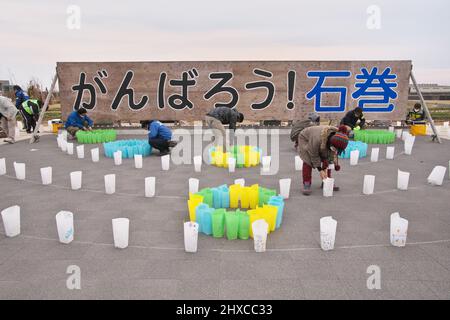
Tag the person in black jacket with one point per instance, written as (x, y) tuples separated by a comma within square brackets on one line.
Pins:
[(217, 117), (354, 119)]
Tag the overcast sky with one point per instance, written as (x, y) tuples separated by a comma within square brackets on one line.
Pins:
[(34, 34)]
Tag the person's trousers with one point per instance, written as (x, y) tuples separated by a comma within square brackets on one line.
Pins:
[(9, 127), (219, 133), (28, 119), (159, 143), (307, 172), (73, 130)]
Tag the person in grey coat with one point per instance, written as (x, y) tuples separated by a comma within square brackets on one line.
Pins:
[(8, 114), (217, 117)]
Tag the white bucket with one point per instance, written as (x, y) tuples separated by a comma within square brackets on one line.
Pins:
[(11, 221), (390, 153), (405, 134), (70, 148), (64, 224), (95, 155), (328, 185), (80, 152), (58, 141), (121, 230), (19, 168), (110, 183), (190, 236), (2, 166), (374, 154), (445, 124), (436, 177), (193, 185), (198, 163), (46, 175), (241, 182), (118, 158), (231, 164), (150, 184), (266, 163), (298, 163), (399, 123), (327, 233), (165, 162), (354, 156), (391, 129), (63, 145), (369, 184), (398, 133), (409, 143), (138, 162), (285, 187), (75, 180), (260, 229), (399, 230), (402, 180)]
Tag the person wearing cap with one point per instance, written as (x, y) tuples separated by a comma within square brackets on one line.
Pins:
[(417, 115), (354, 120), (78, 120), (299, 125), (217, 117), (318, 146), (8, 114)]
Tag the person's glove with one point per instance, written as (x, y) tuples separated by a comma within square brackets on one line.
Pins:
[(337, 167)]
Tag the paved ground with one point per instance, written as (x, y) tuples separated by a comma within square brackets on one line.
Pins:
[(33, 265)]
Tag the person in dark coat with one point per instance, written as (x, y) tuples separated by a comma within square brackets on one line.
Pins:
[(354, 120), (217, 117)]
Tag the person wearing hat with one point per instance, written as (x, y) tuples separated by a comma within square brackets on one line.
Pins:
[(318, 146), (217, 117), (299, 125)]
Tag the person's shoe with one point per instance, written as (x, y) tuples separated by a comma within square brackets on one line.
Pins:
[(9, 140), (172, 144), (307, 189), (335, 188), (164, 153)]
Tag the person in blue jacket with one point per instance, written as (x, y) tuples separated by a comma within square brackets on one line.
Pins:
[(159, 136), (78, 120), (21, 96)]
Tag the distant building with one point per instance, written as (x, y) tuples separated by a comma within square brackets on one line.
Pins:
[(430, 92), (5, 87)]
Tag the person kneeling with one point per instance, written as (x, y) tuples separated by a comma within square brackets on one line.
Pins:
[(159, 136), (78, 120)]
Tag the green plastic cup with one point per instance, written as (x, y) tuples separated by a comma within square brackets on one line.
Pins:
[(231, 225), (218, 223), (244, 225)]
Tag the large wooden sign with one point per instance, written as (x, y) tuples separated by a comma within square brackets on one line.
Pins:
[(262, 90)]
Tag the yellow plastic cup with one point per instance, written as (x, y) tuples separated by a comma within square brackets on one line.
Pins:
[(193, 202), (270, 215), (253, 196), (235, 191), (245, 197)]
